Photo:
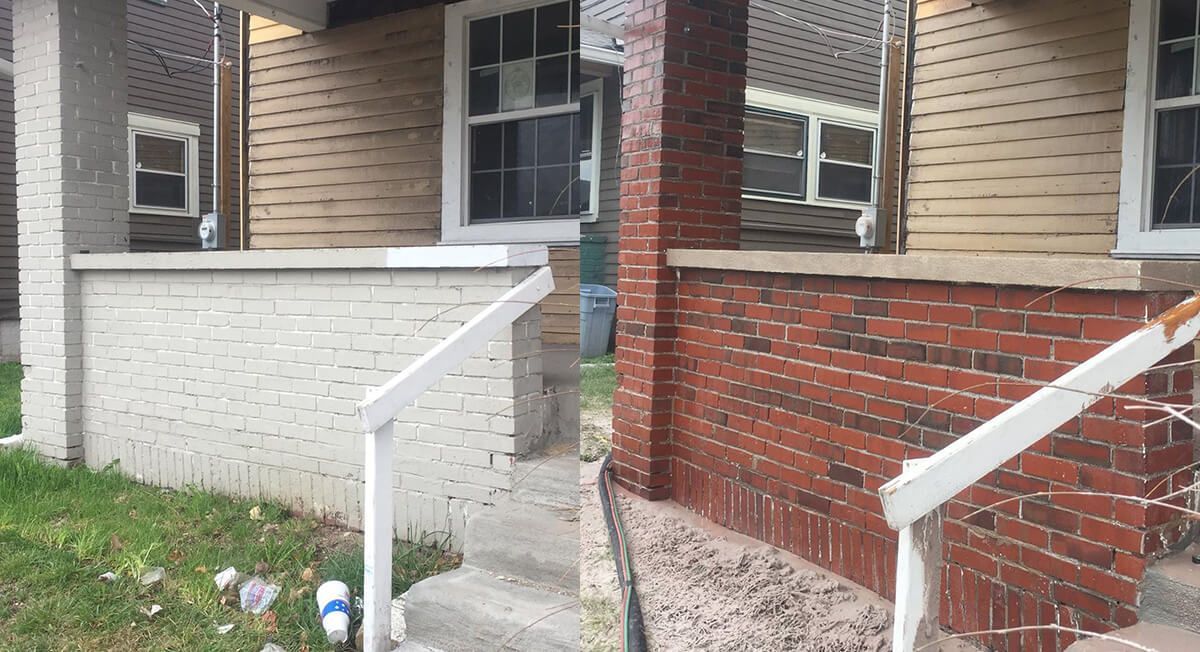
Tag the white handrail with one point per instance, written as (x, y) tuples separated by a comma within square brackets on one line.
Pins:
[(378, 411), (913, 498)]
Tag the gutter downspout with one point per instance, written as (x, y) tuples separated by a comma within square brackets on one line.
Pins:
[(216, 106), (243, 149), (867, 226)]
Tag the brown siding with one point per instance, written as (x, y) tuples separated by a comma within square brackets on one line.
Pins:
[(1016, 127), (345, 135)]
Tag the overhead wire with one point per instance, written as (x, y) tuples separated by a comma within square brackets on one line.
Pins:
[(867, 44), (198, 63)]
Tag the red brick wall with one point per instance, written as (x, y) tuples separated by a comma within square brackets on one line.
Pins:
[(796, 397), (681, 179)]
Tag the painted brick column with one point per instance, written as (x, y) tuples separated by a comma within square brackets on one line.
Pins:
[(70, 69), (681, 180)]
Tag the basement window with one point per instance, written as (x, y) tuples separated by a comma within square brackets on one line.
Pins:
[(164, 166), (804, 151), (512, 136)]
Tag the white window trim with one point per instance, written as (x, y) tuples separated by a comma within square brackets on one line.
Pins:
[(179, 130), (1135, 237), (455, 227), (816, 112), (594, 88)]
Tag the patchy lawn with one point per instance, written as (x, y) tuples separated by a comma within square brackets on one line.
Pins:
[(597, 382), (61, 529), (10, 398)]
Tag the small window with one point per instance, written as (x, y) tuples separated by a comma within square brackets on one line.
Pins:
[(845, 167), (163, 175), (591, 117), (775, 155), (805, 151)]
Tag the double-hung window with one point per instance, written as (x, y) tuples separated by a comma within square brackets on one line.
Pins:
[(164, 166), (512, 140), (591, 117), (1159, 209), (805, 151)]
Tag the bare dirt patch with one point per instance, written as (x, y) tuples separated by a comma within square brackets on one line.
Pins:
[(706, 588)]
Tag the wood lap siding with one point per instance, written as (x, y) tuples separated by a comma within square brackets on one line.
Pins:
[(560, 310), (1016, 127), (345, 134)]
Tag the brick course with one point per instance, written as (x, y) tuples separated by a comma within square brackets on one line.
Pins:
[(789, 441), (245, 383)]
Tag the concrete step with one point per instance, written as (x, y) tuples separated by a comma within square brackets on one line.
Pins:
[(1163, 638), (410, 646), (534, 544), (1171, 592), (550, 479), (467, 610)]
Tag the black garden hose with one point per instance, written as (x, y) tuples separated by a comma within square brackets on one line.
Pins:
[(633, 634)]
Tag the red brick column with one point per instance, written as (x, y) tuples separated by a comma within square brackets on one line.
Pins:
[(681, 179)]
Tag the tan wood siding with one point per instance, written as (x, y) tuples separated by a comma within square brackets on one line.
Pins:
[(1016, 127), (345, 134), (560, 310), (265, 29)]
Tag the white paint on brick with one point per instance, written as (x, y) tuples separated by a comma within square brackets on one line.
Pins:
[(70, 97), (179, 393)]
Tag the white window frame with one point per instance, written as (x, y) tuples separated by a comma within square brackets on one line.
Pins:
[(595, 89), (177, 130), (1135, 236), (456, 228), (816, 113)]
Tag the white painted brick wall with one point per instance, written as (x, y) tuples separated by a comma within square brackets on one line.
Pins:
[(245, 382), (69, 65)]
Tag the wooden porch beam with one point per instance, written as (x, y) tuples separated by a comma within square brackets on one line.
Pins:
[(305, 15)]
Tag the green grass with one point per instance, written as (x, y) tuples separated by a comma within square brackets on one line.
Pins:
[(10, 398), (598, 381), (61, 528)]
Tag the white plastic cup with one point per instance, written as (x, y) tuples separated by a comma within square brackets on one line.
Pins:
[(333, 600)]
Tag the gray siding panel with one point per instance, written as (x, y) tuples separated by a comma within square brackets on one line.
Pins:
[(8, 178), (178, 27), (797, 227), (787, 57), (610, 178)]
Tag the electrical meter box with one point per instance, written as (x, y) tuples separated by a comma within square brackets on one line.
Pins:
[(211, 232)]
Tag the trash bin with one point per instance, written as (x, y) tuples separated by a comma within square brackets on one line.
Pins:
[(597, 306)]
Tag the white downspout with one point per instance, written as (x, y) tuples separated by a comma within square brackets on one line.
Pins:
[(867, 226), (216, 108)]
